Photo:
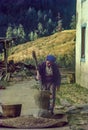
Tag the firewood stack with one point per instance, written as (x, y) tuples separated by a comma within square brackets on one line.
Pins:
[(14, 68)]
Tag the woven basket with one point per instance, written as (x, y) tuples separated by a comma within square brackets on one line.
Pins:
[(11, 110)]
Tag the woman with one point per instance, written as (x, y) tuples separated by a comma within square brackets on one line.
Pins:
[(49, 75)]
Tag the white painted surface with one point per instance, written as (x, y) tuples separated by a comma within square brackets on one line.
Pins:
[(81, 66)]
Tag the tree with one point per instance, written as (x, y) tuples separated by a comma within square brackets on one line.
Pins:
[(9, 32), (40, 16), (50, 26), (35, 35), (15, 32), (73, 22), (45, 17), (59, 26), (59, 23), (40, 29), (50, 13), (21, 34), (31, 19), (31, 36)]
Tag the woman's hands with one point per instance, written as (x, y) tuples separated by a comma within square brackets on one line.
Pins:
[(38, 77)]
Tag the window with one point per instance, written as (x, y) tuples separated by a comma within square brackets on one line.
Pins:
[(83, 1), (83, 33)]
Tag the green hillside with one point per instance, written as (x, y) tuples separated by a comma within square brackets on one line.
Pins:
[(60, 43)]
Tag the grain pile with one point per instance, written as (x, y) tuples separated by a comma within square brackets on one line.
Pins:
[(31, 122)]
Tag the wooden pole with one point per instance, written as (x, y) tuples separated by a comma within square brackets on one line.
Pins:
[(5, 55), (6, 42)]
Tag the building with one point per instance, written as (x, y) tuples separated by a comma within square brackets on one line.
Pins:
[(82, 43)]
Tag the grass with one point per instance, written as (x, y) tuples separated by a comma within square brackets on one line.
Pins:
[(73, 93), (58, 43)]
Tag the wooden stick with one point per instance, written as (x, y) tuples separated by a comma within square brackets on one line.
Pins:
[(35, 58)]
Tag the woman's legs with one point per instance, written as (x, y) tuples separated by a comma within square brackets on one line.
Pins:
[(52, 88), (52, 97)]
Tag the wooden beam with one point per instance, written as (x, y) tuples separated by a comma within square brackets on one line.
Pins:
[(5, 42), (5, 55), (2, 39)]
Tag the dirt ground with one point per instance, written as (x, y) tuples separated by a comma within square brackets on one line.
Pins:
[(22, 92)]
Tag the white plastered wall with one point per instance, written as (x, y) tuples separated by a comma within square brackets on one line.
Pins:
[(82, 65)]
